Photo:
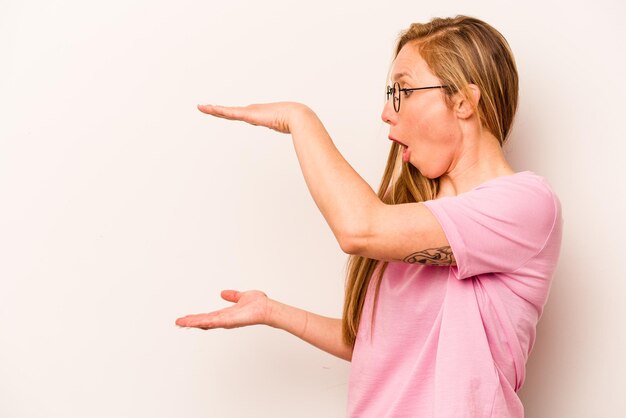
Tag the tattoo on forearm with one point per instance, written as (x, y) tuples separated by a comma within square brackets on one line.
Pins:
[(434, 256)]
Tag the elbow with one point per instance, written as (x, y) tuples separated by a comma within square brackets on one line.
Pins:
[(346, 246), (357, 233), (351, 242)]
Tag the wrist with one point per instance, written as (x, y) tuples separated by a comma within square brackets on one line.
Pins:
[(272, 313), (302, 117), (286, 317)]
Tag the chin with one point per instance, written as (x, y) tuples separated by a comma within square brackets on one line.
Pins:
[(430, 172)]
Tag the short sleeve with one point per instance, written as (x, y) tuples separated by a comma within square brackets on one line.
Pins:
[(498, 226)]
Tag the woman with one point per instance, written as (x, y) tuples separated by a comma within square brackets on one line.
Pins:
[(451, 263)]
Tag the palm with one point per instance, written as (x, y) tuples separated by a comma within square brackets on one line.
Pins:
[(250, 308), (276, 116)]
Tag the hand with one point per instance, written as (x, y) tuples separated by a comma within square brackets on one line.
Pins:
[(277, 116), (251, 308)]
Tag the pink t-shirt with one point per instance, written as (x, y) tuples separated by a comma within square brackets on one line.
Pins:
[(452, 342)]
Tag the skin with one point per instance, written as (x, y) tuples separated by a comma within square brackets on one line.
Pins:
[(443, 141), (253, 307)]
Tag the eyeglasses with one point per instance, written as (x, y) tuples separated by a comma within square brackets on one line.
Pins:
[(396, 90)]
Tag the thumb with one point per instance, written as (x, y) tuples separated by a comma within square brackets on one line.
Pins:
[(231, 295)]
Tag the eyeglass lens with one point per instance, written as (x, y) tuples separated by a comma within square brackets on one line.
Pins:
[(395, 93)]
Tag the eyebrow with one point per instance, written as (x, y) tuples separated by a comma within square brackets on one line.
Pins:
[(398, 76)]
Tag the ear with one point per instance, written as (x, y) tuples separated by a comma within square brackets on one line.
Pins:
[(463, 107)]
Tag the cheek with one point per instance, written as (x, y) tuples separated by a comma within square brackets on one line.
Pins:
[(443, 129), (435, 140), (432, 132)]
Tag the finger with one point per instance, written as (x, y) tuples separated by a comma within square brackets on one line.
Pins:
[(190, 320), (204, 321), (217, 319), (231, 295), (230, 113)]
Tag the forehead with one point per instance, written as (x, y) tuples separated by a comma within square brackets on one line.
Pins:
[(410, 65)]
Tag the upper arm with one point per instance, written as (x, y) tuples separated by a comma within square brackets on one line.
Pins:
[(406, 232), (498, 227)]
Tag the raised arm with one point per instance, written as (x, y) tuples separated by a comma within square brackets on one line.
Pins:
[(255, 308), (362, 224)]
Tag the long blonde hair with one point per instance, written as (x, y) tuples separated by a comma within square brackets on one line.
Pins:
[(459, 51)]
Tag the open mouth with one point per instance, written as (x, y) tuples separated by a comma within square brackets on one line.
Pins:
[(405, 149), (399, 143)]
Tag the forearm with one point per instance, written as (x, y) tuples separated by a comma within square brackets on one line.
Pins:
[(342, 195), (320, 331)]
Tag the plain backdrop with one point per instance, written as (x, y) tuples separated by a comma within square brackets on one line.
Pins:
[(123, 207)]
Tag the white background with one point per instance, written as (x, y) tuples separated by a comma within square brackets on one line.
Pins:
[(123, 207)]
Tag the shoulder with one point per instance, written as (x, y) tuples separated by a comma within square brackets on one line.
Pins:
[(500, 224), (524, 189), (523, 180), (523, 200)]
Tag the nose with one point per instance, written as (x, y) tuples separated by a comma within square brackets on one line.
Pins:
[(389, 114)]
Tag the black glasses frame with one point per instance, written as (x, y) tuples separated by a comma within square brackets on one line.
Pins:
[(391, 91)]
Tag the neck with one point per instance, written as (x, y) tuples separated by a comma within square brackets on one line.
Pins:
[(480, 160)]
